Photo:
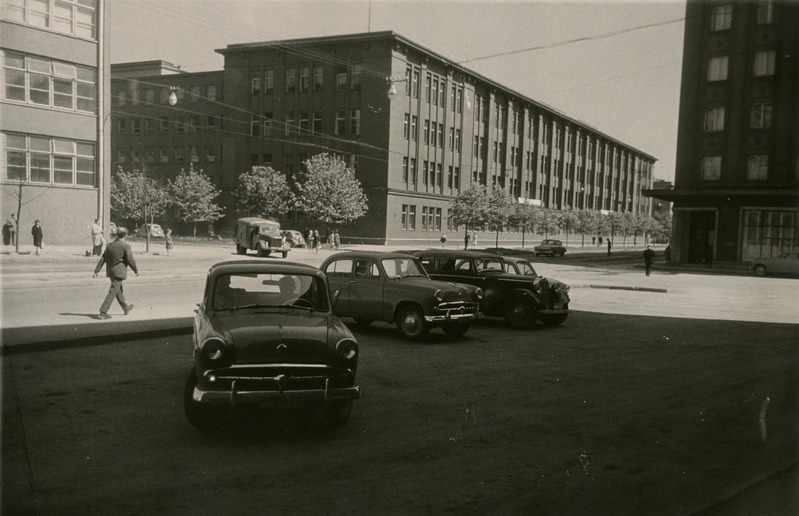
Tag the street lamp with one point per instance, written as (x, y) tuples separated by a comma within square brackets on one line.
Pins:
[(392, 91), (173, 95)]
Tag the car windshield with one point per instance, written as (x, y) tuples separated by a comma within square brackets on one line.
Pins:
[(490, 264), (402, 268), (521, 268), (237, 291), (269, 229)]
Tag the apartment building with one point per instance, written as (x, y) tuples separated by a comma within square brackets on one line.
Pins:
[(736, 195), (417, 127), (54, 149)]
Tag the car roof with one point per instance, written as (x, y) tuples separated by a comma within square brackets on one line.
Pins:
[(516, 259), (379, 255), (448, 253), (261, 266)]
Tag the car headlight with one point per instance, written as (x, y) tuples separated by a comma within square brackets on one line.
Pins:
[(562, 287), (478, 293), (347, 349), (439, 295), (213, 349)]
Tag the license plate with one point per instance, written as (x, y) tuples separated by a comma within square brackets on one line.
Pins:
[(283, 401)]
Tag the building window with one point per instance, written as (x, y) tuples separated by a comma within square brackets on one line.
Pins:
[(210, 93), (210, 154), (757, 167), (428, 84), (210, 123), (425, 173), (149, 125), (289, 129), (441, 135), (122, 125), (303, 122), (341, 123), (457, 140), (426, 132), (405, 169), (356, 78), (194, 155), (163, 155), (408, 220), (269, 81), (764, 63), (451, 138), (268, 124), (412, 172), (435, 91), (194, 93), (765, 12), (255, 84), (414, 128), (291, 80), (305, 79), (42, 159), (318, 77), (717, 68), (711, 168), (721, 18), (405, 126), (46, 82), (355, 121), (341, 79), (194, 123), (70, 17), (317, 122), (255, 125), (415, 84), (178, 153), (135, 125), (714, 119), (761, 116)]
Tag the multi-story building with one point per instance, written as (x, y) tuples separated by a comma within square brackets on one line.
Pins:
[(442, 128), (736, 194), (53, 132)]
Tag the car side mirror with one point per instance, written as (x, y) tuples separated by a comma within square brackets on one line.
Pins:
[(335, 297)]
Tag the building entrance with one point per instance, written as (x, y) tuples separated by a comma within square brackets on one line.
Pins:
[(702, 237)]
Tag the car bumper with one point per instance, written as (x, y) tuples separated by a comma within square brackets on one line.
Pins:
[(275, 398), (461, 312)]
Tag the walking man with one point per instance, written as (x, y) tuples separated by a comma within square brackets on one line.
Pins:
[(610, 244), (97, 238), (38, 236), (649, 256), (117, 258)]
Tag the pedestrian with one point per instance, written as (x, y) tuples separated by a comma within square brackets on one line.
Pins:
[(38, 236), (336, 239), (474, 240), (649, 256), (466, 241), (309, 241), (10, 230), (117, 258), (316, 241), (600, 240), (169, 244), (97, 238), (610, 244), (667, 253), (593, 240)]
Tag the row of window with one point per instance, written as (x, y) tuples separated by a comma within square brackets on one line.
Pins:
[(759, 117), (431, 218), (721, 15), (302, 79), (756, 168), (162, 124), (346, 123), (432, 174), (135, 96), (434, 89), (177, 154), (49, 83), (75, 17), (51, 161), (718, 66)]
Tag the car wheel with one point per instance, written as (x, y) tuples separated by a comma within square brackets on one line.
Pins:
[(337, 412), (562, 254), (492, 293), (360, 321), (760, 270), (241, 249), (285, 253), (538, 254), (553, 319), (520, 313), (456, 329), (201, 416), (411, 324), (261, 252)]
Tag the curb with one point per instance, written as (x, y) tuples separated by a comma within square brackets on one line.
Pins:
[(640, 289)]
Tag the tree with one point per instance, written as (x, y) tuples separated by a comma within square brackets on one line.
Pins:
[(328, 191), (548, 222), (21, 198), (524, 216), (263, 191), (194, 194), (470, 207), (568, 221), (500, 207), (138, 197), (586, 223)]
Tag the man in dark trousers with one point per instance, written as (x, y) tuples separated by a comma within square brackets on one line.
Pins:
[(649, 256), (117, 258), (610, 244)]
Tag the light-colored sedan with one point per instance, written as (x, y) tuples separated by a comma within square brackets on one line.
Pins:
[(785, 263)]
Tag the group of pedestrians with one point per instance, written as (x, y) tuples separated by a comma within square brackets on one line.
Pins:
[(313, 241), (10, 233)]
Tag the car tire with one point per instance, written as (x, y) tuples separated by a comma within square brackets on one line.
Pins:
[(411, 324), (492, 293), (360, 321), (201, 416), (285, 254), (261, 252), (337, 412), (241, 249), (552, 319), (520, 313), (456, 329), (562, 254), (760, 269)]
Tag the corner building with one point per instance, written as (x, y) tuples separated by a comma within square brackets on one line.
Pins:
[(443, 128), (54, 138), (736, 191)]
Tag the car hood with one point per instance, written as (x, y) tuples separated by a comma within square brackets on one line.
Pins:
[(451, 290), (283, 336)]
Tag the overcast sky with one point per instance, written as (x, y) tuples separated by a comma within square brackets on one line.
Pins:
[(624, 80)]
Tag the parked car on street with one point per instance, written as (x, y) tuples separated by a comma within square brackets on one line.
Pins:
[(786, 263), (520, 266), (154, 229), (261, 235), (520, 299), (294, 238), (550, 247), (265, 336), (393, 287)]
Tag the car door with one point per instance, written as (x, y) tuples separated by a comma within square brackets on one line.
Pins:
[(339, 274), (366, 290)]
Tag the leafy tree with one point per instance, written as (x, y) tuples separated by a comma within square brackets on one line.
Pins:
[(524, 217), (194, 194), (500, 207), (138, 197), (662, 226), (568, 221), (329, 192), (22, 197), (548, 222), (263, 191), (586, 223), (470, 207)]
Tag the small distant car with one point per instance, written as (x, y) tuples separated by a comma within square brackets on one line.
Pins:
[(265, 336), (550, 247), (394, 288), (786, 263), (261, 235), (154, 229), (294, 238), (520, 298)]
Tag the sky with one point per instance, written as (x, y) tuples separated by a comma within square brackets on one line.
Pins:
[(621, 76)]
